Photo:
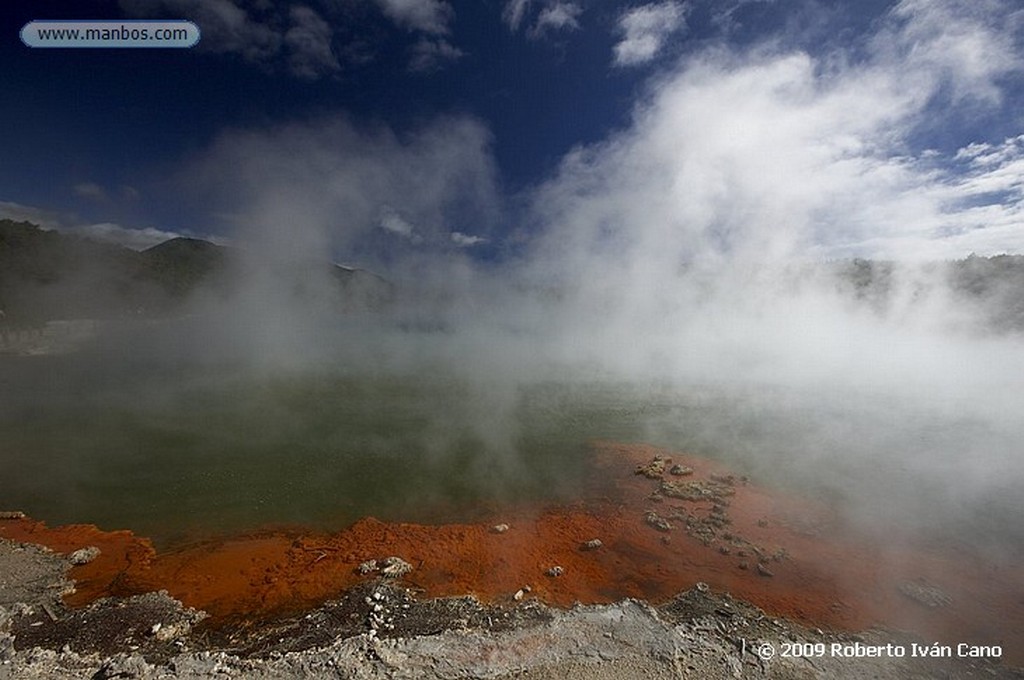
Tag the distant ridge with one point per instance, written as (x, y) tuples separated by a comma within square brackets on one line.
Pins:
[(49, 275), (181, 264)]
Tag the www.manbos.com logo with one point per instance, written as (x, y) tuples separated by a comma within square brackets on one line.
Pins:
[(174, 34)]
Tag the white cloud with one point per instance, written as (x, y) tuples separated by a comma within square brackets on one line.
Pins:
[(309, 42), (300, 38), (994, 169), (100, 194), (293, 38), (226, 27), (724, 11), (466, 240), (18, 212), (984, 155), (967, 45), (645, 29), (392, 222), (90, 190), (431, 55), (432, 17), (768, 154), (134, 239), (948, 214), (513, 13), (429, 16), (554, 15), (557, 16)]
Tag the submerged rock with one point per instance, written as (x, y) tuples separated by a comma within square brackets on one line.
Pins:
[(654, 468), (394, 567), (657, 521), (697, 490), (925, 593)]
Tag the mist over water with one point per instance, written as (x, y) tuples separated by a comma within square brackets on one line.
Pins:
[(242, 416), (668, 284)]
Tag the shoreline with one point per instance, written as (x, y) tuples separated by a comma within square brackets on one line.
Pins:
[(380, 629), (659, 535)]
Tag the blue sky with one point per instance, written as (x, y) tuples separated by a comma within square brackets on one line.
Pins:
[(366, 128)]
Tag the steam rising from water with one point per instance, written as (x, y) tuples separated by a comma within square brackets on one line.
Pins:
[(677, 260)]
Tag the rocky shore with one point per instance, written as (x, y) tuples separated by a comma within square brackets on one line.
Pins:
[(684, 569), (381, 630)]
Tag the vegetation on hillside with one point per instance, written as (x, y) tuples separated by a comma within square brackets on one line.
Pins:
[(47, 275)]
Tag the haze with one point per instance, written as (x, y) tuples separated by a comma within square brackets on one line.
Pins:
[(684, 257)]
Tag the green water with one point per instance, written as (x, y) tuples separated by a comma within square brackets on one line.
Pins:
[(179, 454), (180, 451)]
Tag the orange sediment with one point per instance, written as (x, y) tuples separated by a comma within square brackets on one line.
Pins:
[(812, 568)]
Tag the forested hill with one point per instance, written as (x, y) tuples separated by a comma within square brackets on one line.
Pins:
[(47, 275), (989, 288)]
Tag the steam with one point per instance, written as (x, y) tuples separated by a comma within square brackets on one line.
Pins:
[(680, 260), (684, 245), (684, 251)]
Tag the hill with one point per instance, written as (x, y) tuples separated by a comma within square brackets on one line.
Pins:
[(991, 288), (48, 275)]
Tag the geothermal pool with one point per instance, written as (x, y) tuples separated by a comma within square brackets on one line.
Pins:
[(182, 452), (178, 454), (248, 492)]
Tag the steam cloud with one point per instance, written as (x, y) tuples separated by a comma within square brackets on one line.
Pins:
[(681, 255), (680, 251)]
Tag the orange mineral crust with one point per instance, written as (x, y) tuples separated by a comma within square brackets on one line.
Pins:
[(664, 521)]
